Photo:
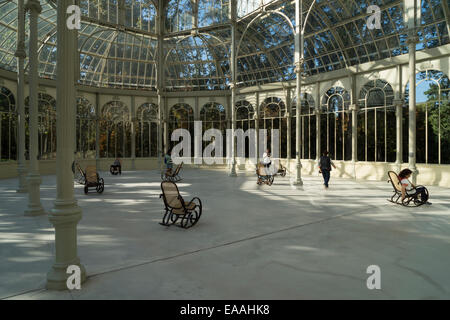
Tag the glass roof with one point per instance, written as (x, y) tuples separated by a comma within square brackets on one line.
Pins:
[(118, 40)]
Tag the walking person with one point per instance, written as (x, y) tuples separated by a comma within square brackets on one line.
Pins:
[(325, 165)]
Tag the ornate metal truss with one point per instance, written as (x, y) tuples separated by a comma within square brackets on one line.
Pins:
[(118, 39)]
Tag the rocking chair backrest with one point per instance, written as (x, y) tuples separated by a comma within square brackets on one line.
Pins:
[(79, 169), (171, 195), (259, 169), (177, 170), (91, 174), (394, 179)]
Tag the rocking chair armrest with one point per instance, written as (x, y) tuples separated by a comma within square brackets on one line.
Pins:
[(198, 199)]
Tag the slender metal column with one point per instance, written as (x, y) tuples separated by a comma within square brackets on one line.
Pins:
[(21, 55), (66, 213), (412, 106), (398, 103), (257, 128), (298, 70), (233, 87), (318, 129), (133, 132), (97, 130), (288, 125), (160, 79), (354, 111), (34, 179), (412, 11)]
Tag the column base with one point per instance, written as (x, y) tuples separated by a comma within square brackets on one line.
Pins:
[(23, 186), (298, 175), (64, 217), (233, 169), (34, 203), (57, 276)]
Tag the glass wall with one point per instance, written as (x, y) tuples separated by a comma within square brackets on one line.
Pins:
[(307, 127), (147, 130), (335, 121), (376, 122), (46, 126), (272, 115), (115, 131), (213, 116), (245, 120), (8, 125), (432, 118), (181, 116), (85, 129)]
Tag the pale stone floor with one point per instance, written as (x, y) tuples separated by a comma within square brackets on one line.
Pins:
[(252, 242)]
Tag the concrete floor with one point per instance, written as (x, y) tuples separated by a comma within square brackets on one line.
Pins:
[(252, 242)]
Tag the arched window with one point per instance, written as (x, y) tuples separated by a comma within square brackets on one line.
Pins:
[(8, 121), (46, 125), (147, 130), (212, 12), (432, 118), (86, 127), (115, 130), (376, 122), (213, 116), (245, 120), (272, 116), (307, 127), (181, 116), (335, 122), (179, 15)]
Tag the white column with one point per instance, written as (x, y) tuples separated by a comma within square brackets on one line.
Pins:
[(133, 132), (66, 213), (34, 178), (412, 15), (21, 55), (288, 125), (160, 129), (298, 56), (256, 129), (318, 129), (398, 103), (160, 82), (97, 130), (233, 87), (412, 40)]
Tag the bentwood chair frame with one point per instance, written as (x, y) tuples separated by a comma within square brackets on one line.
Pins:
[(174, 176), (411, 197), (79, 174), (186, 214), (93, 180), (114, 170), (262, 175)]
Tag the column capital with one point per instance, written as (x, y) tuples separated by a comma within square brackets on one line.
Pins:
[(412, 40), (353, 107), (299, 66), (398, 102), (20, 51), (33, 6), (412, 36), (232, 85)]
